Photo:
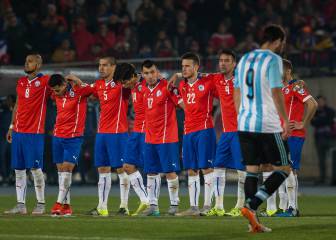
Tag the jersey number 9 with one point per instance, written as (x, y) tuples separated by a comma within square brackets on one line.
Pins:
[(249, 80)]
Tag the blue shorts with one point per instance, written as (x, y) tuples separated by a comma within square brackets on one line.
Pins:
[(199, 149), (161, 158), (27, 150), (295, 145), (135, 149), (66, 149), (228, 153), (110, 149)]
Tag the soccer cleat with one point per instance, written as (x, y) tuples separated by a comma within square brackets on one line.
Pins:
[(204, 211), (66, 210), (268, 213), (142, 207), (99, 212), (172, 210), (56, 209), (152, 210), (39, 209), (234, 212), (123, 212), (20, 208), (216, 212), (254, 225), (192, 211), (290, 212)]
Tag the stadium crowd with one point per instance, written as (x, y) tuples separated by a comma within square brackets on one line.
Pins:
[(81, 30)]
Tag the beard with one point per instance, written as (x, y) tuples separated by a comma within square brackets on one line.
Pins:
[(29, 71)]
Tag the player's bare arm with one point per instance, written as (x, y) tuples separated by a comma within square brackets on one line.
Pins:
[(10, 130), (311, 107), (236, 98), (280, 106)]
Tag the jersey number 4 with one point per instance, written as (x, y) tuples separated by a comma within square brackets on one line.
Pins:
[(249, 80)]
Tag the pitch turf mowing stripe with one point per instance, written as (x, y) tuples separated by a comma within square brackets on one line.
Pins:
[(24, 236)]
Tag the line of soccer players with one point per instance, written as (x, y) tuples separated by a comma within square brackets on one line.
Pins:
[(153, 145)]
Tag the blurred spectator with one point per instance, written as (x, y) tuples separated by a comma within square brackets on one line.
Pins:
[(145, 52), (96, 51), (163, 46), (248, 44), (82, 38), (64, 53), (323, 122), (6, 108), (181, 40), (222, 38), (52, 19), (105, 38)]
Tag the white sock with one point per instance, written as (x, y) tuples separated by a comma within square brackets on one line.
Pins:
[(291, 187), (153, 188), (283, 196), (104, 186), (124, 183), (64, 187), (39, 184), (240, 190), (21, 185), (208, 188), (219, 182), (194, 186), (271, 201), (173, 188), (138, 186)]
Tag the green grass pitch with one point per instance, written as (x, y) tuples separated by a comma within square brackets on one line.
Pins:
[(318, 221)]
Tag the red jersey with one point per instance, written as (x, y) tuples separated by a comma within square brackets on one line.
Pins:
[(139, 107), (32, 98), (160, 113), (294, 100), (71, 111), (198, 101), (225, 89), (113, 100)]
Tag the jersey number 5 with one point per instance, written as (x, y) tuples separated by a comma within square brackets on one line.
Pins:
[(249, 80)]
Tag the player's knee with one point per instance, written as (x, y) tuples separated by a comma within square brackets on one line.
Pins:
[(192, 172), (207, 171), (171, 175), (129, 169)]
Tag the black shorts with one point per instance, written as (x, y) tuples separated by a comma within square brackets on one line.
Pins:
[(264, 148)]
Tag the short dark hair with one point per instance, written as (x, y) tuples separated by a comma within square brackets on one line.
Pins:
[(124, 72), (147, 64), (229, 52), (287, 64), (191, 56), (56, 80), (110, 59), (272, 33)]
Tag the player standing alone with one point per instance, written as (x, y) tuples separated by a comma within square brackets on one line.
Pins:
[(26, 133), (259, 98)]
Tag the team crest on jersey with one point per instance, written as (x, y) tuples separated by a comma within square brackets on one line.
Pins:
[(301, 91), (37, 83), (201, 87), (158, 93), (72, 93), (286, 91), (175, 91), (139, 88), (113, 84)]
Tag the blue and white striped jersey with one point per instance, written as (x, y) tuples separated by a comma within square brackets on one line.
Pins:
[(256, 74)]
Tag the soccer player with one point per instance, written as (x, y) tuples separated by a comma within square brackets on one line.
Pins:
[(71, 105), (161, 148), (259, 100), (111, 139), (199, 140), (300, 108), (228, 153), (26, 133)]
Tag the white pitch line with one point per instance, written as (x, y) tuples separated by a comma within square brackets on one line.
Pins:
[(25, 236)]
